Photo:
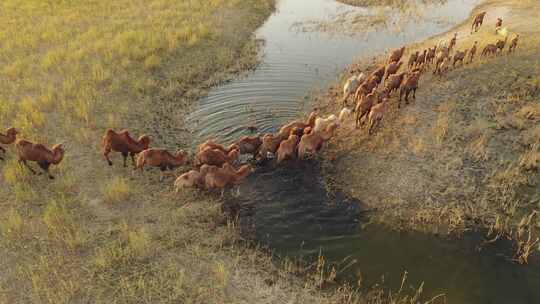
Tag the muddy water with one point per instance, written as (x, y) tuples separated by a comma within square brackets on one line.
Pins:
[(290, 208), (292, 213)]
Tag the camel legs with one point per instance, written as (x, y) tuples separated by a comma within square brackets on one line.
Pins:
[(359, 117), (357, 120), (132, 158), (407, 96), (413, 90), (344, 102), (106, 154), (372, 126), (45, 167), (162, 173), (4, 151), (363, 115), (237, 192)]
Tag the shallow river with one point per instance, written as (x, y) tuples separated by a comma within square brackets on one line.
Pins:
[(291, 211)]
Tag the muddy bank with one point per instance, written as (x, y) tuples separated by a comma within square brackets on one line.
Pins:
[(463, 155)]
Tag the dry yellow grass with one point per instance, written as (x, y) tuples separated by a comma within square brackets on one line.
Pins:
[(100, 234), (116, 190), (71, 69)]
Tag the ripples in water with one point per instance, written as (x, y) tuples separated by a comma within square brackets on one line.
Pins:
[(295, 63)]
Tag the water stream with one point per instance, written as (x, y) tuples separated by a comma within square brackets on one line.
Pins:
[(291, 210)]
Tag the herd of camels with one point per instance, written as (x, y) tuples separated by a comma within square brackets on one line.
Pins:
[(214, 164)]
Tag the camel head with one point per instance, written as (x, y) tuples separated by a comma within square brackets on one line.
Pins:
[(383, 94), (181, 154), (267, 137), (145, 141), (12, 132), (58, 153), (233, 147), (244, 171), (295, 132), (233, 154), (312, 118)]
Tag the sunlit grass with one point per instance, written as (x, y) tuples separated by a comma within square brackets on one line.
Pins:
[(71, 69), (116, 190), (12, 225)]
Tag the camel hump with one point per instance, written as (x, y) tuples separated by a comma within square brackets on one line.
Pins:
[(40, 147), (109, 132), (124, 133), (22, 142)]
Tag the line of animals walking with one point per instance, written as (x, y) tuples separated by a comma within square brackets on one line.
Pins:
[(214, 164), (371, 102)]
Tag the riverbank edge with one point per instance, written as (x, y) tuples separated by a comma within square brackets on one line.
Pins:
[(399, 219)]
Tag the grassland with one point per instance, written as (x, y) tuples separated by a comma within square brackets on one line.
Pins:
[(464, 155), (71, 69)]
